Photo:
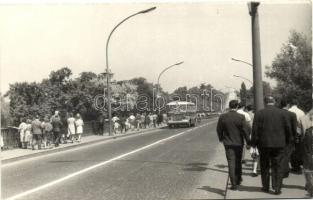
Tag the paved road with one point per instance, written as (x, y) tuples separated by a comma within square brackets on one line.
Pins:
[(167, 170)]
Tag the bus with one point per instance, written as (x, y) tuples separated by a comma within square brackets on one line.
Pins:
[(181, 113)]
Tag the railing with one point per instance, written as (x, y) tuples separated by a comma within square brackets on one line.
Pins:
[(10, 138)]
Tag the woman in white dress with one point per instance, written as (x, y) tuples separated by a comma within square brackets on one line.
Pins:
[(22, 128), (79, 127), (71, 127)]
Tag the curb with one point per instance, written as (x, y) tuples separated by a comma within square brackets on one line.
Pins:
[(10, 160)]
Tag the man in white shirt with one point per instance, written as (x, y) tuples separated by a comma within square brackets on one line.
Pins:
[(241, 111), (295, 160)]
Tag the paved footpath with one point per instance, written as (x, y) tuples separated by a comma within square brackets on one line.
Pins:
[(293, 186), (12, 155), (216, 185)]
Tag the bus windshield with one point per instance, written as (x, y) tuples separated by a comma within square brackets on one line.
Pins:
[(175, 107)]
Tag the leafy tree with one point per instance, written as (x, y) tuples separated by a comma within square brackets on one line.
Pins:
[(146, 90), (5, 112), (292, 69), (180, 92), (243, 93)]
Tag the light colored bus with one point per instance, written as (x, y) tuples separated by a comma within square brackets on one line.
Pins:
[(181, 113)]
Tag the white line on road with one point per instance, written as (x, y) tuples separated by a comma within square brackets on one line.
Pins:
[(99, 165)]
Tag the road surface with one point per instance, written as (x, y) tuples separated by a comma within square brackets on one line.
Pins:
[(164, 164)]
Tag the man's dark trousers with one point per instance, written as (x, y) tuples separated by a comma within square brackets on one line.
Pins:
[(272, 158), (57, 137), (234, 155), (296, 156)]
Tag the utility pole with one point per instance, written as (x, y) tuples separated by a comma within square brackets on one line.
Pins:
[(256, 56)]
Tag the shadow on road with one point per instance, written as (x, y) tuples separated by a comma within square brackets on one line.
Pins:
[(196, 167), (213, 190)]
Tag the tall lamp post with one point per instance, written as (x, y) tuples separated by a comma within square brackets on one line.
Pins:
[(256, 56), (107, 63), (164, 70)]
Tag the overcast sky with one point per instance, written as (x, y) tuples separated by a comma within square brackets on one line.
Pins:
[(36, 39)]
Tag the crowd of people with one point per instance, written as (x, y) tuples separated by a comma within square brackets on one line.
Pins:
[(137, 121), (49, 132), (279, 138)]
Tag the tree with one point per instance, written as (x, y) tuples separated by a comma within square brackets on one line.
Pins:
[(180, 92), (5, 112), (243, 93), (292, 69)]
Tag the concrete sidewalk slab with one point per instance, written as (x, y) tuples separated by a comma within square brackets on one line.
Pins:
[(12, 155), (212, 184), (293, 186)]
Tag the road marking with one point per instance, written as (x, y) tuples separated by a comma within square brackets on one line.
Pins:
[(101, 164)]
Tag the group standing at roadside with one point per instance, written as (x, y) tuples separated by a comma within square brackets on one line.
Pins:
[(48, 131), (276, 136), (123, 123)]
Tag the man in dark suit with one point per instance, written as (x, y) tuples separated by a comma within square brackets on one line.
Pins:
[(270, 133), (232, 129), (290, 147)]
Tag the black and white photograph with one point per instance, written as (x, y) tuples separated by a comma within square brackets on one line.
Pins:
[(156, 100)]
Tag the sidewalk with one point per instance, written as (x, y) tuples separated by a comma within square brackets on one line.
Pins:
[(214, 181), (293, 186), (11, 155)]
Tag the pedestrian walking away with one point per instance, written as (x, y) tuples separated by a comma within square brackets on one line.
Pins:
[(23, 137), (290, 148), (254, 152), (241, 110), (37, 133), (232, 130), (306, 124), (57, 126), (296, 155), (271, 134)]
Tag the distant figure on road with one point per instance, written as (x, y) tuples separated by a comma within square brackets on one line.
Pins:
[(37, 133), (232, 130), (296, 160), (23, 137), (138, 121), (57, 126), (47, 132), (79, 123), (271, 134), (71, 127)]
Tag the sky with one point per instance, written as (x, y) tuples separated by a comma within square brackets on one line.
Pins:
[(38, 38)]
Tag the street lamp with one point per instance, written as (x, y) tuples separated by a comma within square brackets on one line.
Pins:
[(256, 56), (107, 63), (238, 60), (244, 78), (167, 68)]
